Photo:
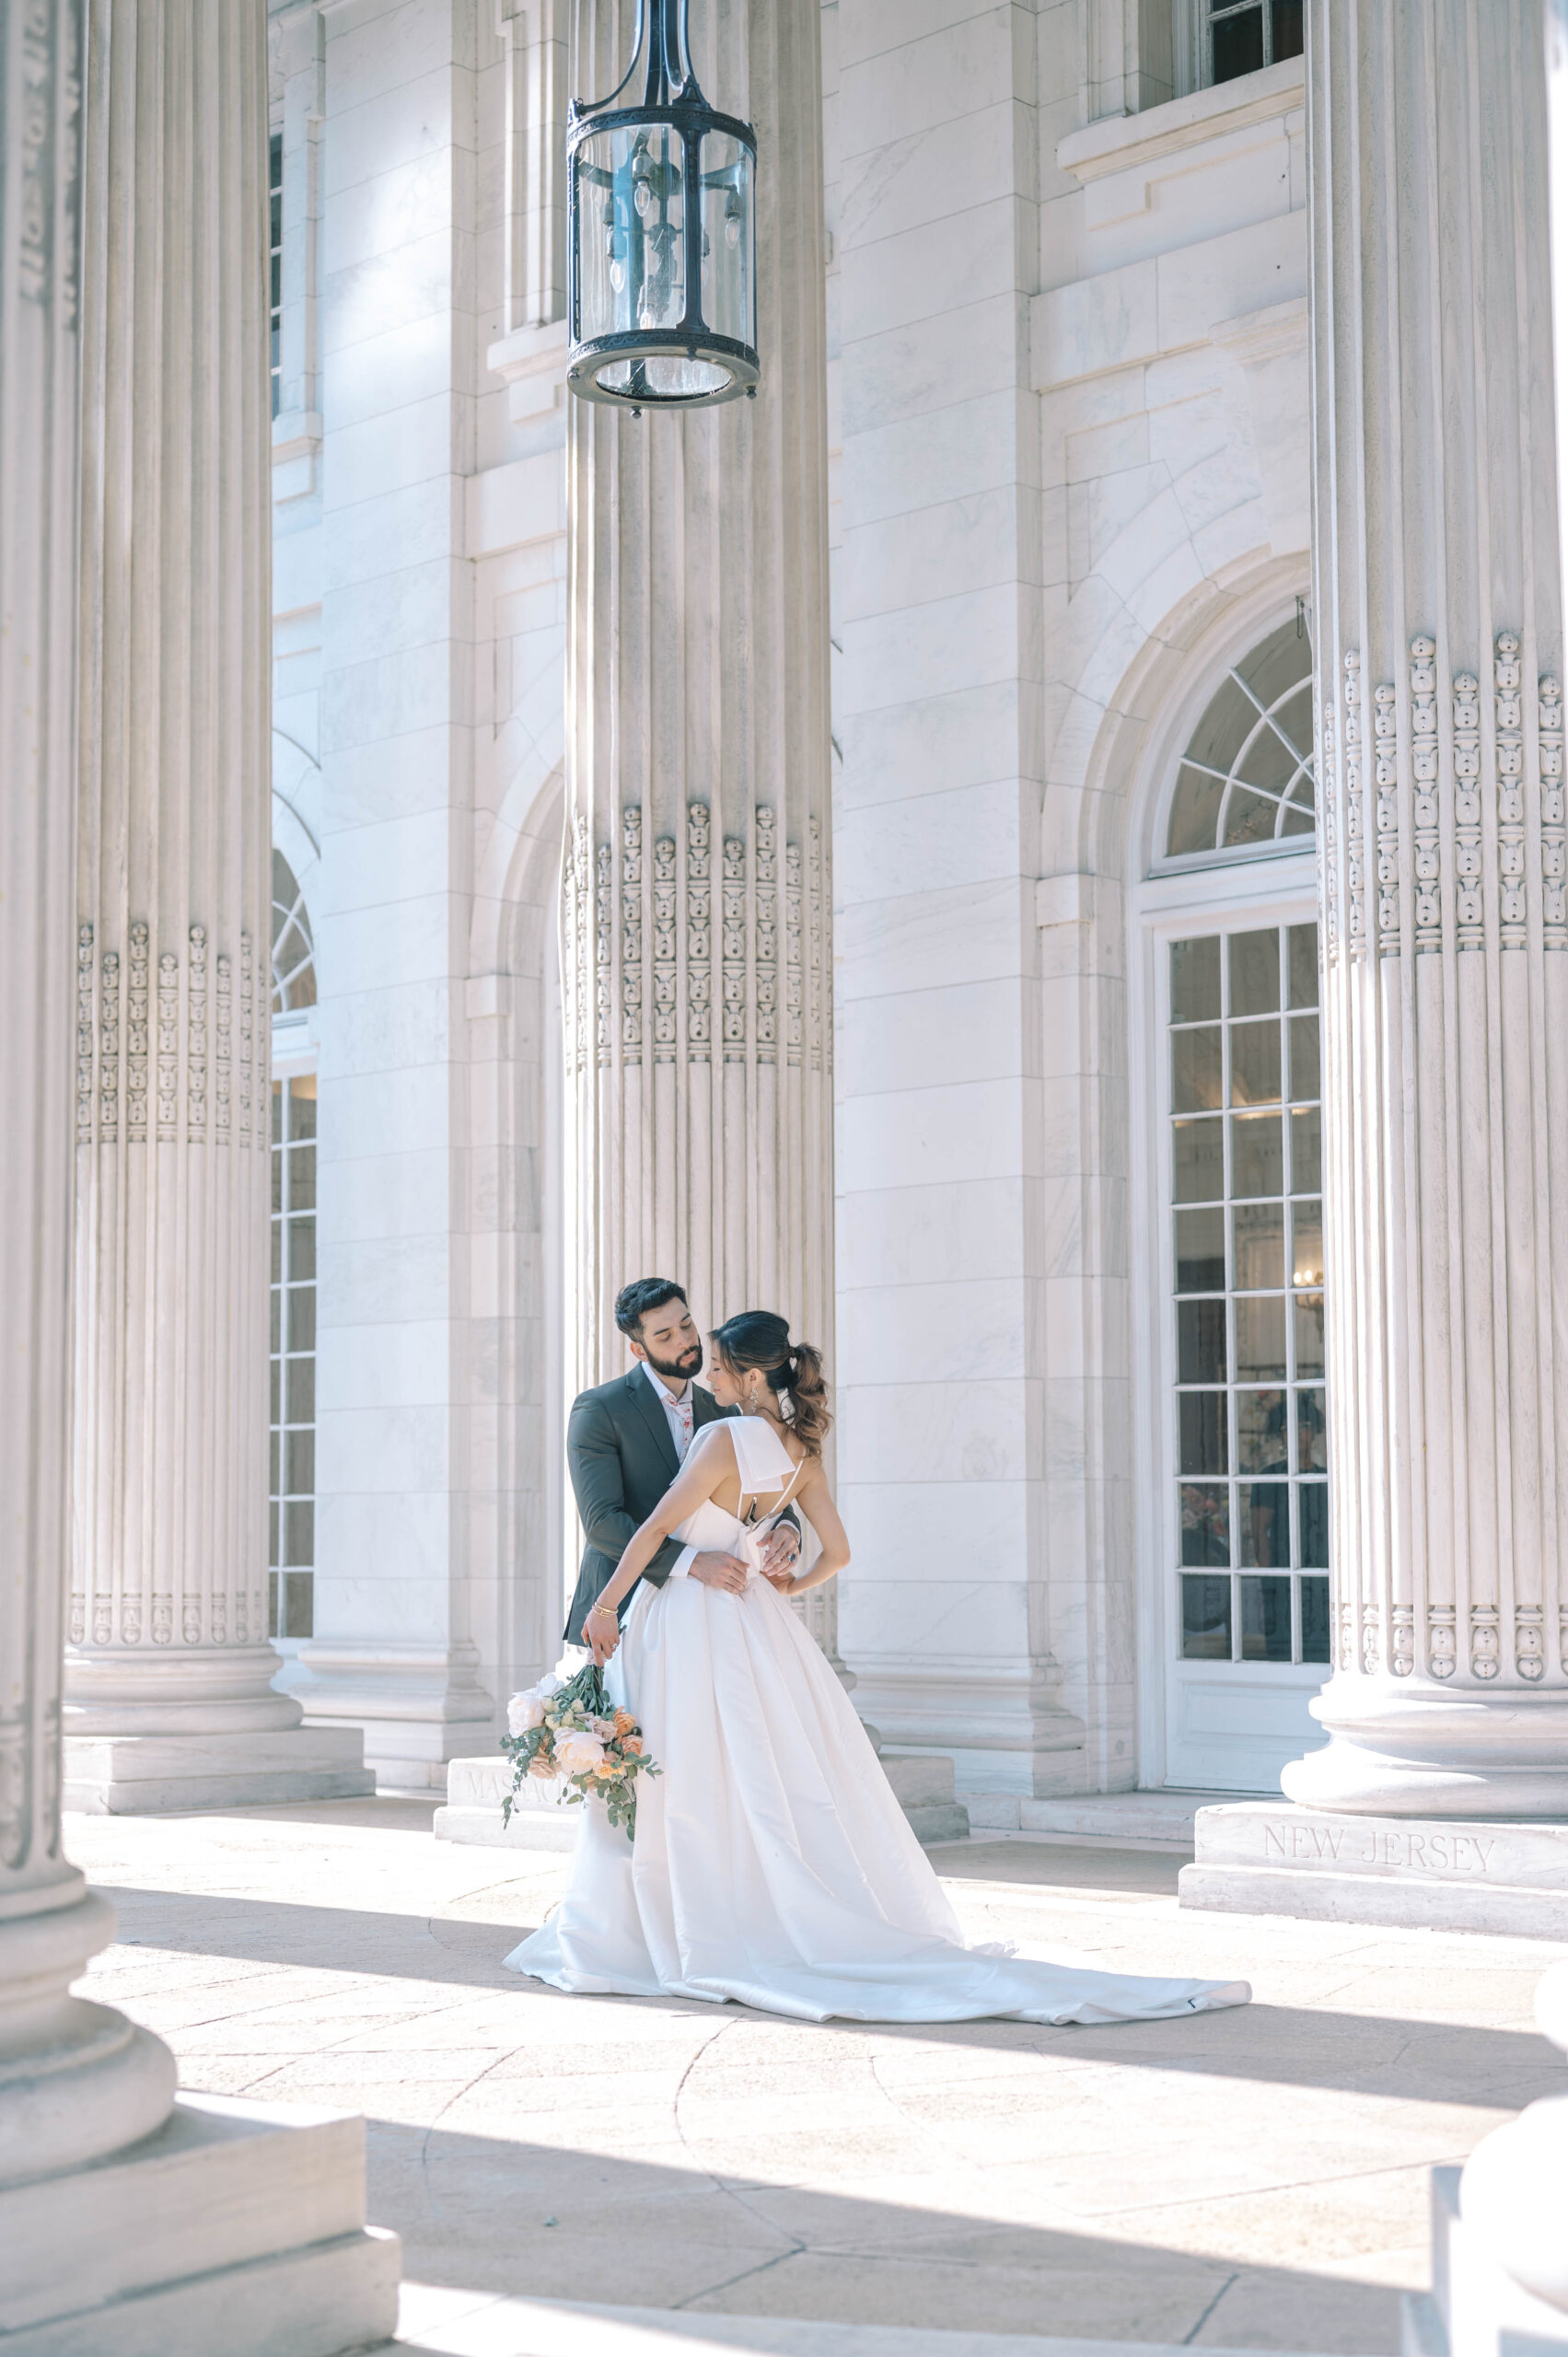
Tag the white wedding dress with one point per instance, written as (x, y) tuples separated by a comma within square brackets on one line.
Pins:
[(771, 1862)]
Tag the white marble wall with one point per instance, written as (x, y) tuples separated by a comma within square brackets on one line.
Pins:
[(419, 578), (1071, 420), (940, 1148)]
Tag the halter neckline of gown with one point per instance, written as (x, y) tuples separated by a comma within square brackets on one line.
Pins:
[(763, 1465)]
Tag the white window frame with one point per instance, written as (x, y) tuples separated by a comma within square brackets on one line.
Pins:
[(296, 1051), (1170, 901), (1189, 52)]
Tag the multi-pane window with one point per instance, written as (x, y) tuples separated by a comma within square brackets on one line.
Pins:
[(1251, 1505), (1244, 780), (291, 1579), (274, 285), (1242, 35)]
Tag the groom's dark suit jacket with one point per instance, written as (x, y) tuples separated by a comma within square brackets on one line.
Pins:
[(622, 1459)]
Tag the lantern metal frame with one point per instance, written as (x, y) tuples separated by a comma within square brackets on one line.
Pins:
[(672, 100)]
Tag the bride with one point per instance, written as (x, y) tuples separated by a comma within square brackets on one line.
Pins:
[(771, 1862)]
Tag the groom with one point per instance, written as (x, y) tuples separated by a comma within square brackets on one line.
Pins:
[(627, 1441)]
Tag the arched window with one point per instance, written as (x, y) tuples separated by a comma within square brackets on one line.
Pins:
[(294, 952), (1245, 780), (1237, 1518)]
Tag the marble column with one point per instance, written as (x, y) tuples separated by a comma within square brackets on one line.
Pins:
[(697, 903), (129, 2218), (76, 2080), (1445, 913), (168, 1675)]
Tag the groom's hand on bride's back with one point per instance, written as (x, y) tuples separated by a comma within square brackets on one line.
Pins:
[(715, 1569)]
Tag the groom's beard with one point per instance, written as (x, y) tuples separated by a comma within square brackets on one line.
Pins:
[(679, 1370)]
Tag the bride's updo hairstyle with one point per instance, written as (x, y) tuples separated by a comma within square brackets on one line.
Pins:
[(757, 1339)]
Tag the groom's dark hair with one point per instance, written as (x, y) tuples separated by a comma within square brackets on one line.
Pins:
[(644, 1294)]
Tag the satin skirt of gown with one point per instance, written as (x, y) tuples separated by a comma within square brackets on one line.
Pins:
[(773, 1864)]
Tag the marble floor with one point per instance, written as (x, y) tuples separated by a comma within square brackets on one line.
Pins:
[(1251, 2179)]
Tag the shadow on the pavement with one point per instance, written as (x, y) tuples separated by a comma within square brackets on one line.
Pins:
[(547, 2220), (321, 1939), (1295, 2046), (376, 1812)]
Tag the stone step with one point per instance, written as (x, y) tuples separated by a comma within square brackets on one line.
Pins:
[(445, 2323), (146, 1775), (1105, 1821), (476, 1790)]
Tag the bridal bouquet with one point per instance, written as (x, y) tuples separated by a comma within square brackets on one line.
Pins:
[(564, 1728)]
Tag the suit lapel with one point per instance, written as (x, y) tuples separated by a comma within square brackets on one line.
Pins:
[(654, 1418)]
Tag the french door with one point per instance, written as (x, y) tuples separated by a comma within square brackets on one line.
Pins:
[(1234, 1524)]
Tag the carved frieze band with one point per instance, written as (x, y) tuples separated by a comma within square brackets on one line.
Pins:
[(1553, 842), (1367, 821), (1328, 820), (1424, 762), (201, 1619), (1356, 845), (203, 1083), (631, 937), (1360, 1641)]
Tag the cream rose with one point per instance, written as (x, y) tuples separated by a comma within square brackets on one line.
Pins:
[(524, 1712), (579, 1754)]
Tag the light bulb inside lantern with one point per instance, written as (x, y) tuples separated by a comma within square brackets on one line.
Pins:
[(732, 230), (643, 198), (618, 276)]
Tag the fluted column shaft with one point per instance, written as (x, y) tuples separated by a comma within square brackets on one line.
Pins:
[(1445, 911), (697, 901), (75, 2079), (167, 1607)]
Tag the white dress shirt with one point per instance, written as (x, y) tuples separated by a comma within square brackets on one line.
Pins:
[(682, 1417)]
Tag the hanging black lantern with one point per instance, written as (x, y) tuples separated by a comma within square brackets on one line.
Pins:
[(661, 235)]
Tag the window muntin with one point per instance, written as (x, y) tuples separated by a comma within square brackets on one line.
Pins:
[(275, 268), (1250, 1459), (294, 947), (292, 1483), (1244, 783), (1241, 36)]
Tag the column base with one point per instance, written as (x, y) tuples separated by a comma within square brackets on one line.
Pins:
[(1472, 2309), (141, 1775), (417, 1707), (477, 1788), (1414, 1747), (239, 2226), (999, 1722), (1450, 1874)]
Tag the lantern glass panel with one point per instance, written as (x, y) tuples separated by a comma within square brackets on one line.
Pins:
[(631, 244), (729, 299), (661, 375)]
